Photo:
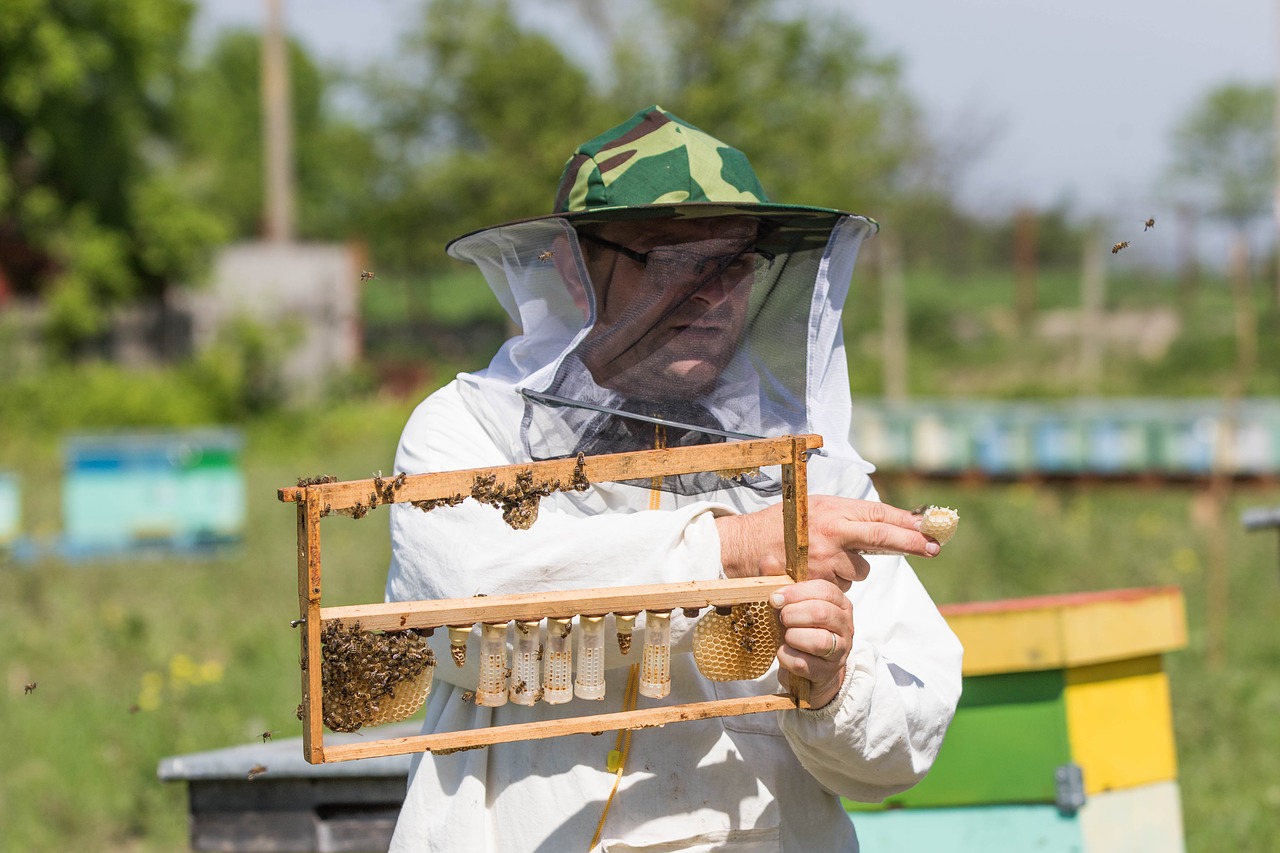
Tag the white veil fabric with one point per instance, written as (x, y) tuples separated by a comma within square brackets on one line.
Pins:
[(786, 371)]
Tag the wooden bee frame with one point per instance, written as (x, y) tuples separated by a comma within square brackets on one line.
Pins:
[(357, 497)]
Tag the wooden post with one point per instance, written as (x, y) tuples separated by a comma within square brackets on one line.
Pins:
[(1188, 263), (893, 319), (1093, 288), (1218, 593), (1024, 267), (277, 129)]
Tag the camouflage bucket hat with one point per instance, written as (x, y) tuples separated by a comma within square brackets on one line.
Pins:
[(656, 165)]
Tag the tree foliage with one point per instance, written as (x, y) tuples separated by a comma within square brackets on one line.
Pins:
[(479, 114), (822, 116), (90, 212), (482, 133), (1224, 150)]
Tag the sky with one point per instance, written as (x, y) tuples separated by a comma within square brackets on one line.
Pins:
[(1070, 102)]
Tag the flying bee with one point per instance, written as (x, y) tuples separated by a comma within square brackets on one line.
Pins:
[(367, 276), (468, 696), (256, 771), (1123, 244), (28, 688), (546, 256), (266, 736), (1150, 223), (133, 709)]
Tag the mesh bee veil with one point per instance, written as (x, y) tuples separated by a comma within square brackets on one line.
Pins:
[(669, 303)]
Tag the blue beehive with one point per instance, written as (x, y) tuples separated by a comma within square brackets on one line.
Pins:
[(173, 490), (10, 509)]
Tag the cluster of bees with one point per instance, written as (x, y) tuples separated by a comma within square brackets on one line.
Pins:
[(361, 669), (519, 500)]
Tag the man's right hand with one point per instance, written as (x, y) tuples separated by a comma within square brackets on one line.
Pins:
[(840, 529)]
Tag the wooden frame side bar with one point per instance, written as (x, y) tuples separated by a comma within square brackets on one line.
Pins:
[(309, 613)]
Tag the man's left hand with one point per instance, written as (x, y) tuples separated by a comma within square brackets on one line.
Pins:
[(817, 634)]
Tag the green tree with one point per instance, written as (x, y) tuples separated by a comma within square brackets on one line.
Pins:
[(1224, 151), (478, 114), (480, 135), (821, 114), (91, 212), (220, 121)]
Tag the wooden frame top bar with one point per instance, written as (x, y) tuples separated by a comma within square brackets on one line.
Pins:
[(728, 456)]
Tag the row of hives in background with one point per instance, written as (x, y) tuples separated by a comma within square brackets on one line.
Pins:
[(1174, 438)]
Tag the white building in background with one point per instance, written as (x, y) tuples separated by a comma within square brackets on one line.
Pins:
[(308, 289)]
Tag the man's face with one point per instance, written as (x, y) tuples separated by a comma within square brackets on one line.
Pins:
[(671, 301)]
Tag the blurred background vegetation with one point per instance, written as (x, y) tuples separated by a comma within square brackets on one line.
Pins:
[(130, 156)]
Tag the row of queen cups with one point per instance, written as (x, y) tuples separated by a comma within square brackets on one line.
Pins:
[(545, 672)]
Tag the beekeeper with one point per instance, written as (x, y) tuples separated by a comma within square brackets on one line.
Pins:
[(668, 302)]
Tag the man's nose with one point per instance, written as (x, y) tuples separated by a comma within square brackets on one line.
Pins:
[(716, 289)]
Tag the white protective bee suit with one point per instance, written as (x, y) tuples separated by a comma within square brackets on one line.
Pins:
[(758, 782)]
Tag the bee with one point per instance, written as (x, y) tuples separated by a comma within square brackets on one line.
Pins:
[(546, 256), (266, 736), (468, 696), (257, 770), (1123, 244), (538, 656), (28, 688), (1150, 223), (537, 697), (367, 276), (518, 688)]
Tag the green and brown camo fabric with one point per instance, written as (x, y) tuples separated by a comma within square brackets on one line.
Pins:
[(664, 159)]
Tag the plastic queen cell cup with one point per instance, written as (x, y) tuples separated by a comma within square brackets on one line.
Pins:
[(589, 682), (492, 689), (526, 664), (655, 666), (557, 681)]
